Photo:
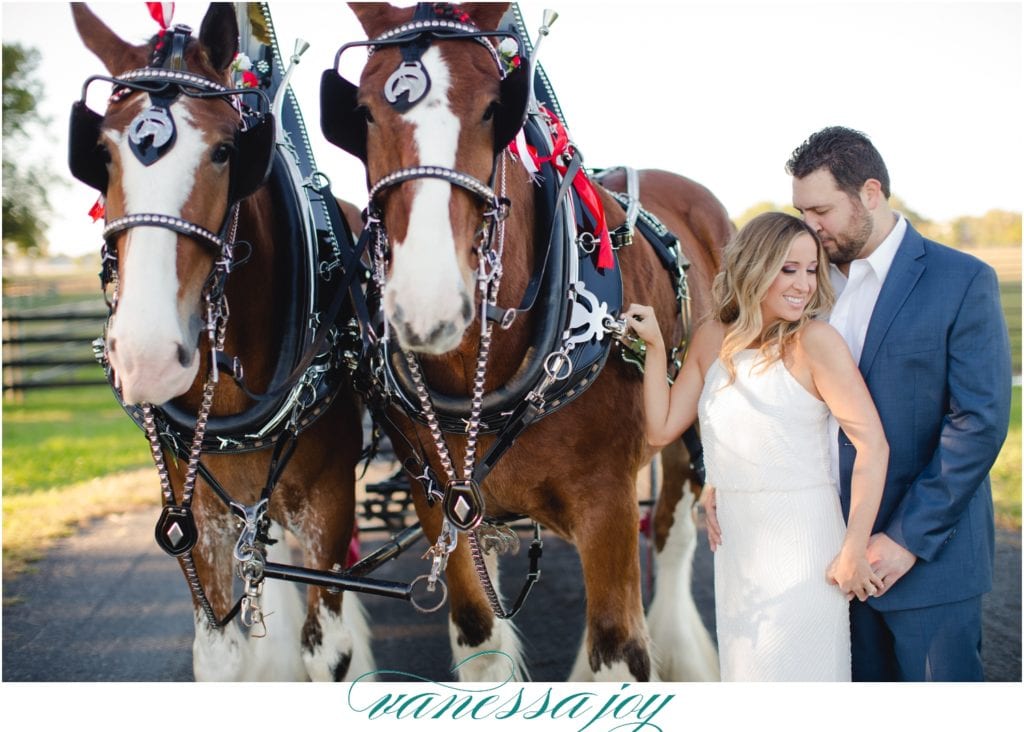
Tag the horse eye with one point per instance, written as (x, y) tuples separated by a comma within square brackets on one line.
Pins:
[(221, 153), (365, 111), (491, 110), (103, 152)]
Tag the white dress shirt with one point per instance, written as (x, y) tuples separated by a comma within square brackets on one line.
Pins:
[(856, 296)]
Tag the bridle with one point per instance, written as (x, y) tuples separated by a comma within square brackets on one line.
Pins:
[(152, 134), (344, 123)]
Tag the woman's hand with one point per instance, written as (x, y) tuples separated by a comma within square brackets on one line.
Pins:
[(641, 320), (710, 505), (852, 572)]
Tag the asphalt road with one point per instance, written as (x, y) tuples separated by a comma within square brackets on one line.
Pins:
[(108, 605)]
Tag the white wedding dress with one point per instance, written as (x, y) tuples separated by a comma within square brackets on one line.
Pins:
[(766, 453)]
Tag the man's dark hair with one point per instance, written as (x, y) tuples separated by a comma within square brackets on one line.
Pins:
[(848, 155)]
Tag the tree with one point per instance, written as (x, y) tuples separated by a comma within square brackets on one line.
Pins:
[(760, 208), (25, 201)]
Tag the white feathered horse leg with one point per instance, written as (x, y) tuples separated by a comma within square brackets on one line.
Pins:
[(683, 648)]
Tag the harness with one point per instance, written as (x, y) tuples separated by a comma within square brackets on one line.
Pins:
[(574, 302), (318, 347)]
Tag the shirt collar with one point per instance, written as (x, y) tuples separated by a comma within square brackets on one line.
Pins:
[(880, 260)]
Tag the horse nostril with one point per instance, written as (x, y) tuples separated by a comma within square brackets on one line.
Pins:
[(184, 357), (442, 331), (112, 345)]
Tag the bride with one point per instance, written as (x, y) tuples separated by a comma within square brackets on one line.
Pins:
[(762, 376)]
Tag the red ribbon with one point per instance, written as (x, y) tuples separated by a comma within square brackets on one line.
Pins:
[(583, 185), (98, 210), (352, 555), (162, 13)]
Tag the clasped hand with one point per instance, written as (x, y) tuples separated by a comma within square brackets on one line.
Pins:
[(854, 576)]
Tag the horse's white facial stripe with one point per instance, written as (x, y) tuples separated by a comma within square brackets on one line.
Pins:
[(426, 282), (150, 325), (162, 187)]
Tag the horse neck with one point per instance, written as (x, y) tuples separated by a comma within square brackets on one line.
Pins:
[(454, 371)]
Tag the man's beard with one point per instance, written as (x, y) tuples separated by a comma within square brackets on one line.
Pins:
[(845, 246)]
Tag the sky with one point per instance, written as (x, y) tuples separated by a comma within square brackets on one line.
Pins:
[(721, 92)]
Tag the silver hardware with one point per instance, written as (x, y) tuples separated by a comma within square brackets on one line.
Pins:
[(548, 19), (155, 124), (409, 78), (588, 316), (252, 516), (278, 104), (558, 365), (429, 608), (497, 538), (250, 611)]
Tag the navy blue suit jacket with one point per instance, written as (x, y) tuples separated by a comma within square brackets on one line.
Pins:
[(936, 361)]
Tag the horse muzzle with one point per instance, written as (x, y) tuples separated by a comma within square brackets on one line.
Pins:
[(434, 326)]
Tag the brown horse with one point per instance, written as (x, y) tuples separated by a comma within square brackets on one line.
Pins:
[(438, 103), (172, 146)]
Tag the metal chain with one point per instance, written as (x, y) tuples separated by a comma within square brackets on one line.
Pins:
[(485, 578), (489, 283), (191, 472)]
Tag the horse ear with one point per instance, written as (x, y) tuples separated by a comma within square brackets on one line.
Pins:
[(486, 16), (379, 17), (116, 54), (218, 35)]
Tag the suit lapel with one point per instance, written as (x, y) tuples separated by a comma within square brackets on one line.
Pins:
[(907, 267)]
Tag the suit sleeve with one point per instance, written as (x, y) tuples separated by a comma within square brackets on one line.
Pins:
[(973, 429)]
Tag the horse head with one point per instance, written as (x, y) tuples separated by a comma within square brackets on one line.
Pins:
[(436, 103), (172, 155)]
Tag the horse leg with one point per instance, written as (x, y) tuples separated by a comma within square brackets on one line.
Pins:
[(218, 653), (682, 646), (484, 647), (615, 645), (275, 656), (335, 636)]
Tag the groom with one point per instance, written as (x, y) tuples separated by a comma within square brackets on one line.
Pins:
[(925, 324)]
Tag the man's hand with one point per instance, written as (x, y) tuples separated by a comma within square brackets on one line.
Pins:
[(889, 560)]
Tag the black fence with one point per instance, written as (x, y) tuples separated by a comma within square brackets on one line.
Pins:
[(51, 348)]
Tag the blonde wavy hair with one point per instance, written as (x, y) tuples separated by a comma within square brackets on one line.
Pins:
[(752, 260)]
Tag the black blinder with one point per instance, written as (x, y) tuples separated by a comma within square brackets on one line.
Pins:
[(253, 158), (511, 114), (86, 159), (341, 120)]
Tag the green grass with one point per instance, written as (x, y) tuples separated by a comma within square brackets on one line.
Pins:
[(69, 455), (1006, 473), (1010, 294), (56, 437)]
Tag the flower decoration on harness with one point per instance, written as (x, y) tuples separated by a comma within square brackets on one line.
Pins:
[(242, 68), (508, 52)]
